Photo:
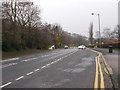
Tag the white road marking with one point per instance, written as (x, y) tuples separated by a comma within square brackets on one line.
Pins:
[(52, 63), (29, 73), (29, 59), (19, 78), (5, 84), (43, 67), (11, 59), (11, 64), (48, 64), (49, 55), (42, 56), (56, 60), (59, 59), (36, 70), (45, 55)]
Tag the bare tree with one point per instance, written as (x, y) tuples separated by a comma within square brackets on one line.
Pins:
[(107, 33), (9, 12), (24, 18), (115, 33), (22, 28)]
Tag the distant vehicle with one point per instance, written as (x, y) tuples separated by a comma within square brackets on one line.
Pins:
[(84, 47), (81, 47), (65, 47), (52, 47)]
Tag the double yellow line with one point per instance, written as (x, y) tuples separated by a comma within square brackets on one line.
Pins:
[(98, 70)]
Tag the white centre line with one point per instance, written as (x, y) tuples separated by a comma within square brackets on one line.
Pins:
[(48, 64), (19, 78), (29, 73), (43, 67), (56, 60), (52, 63), (36, 70), (5, 84)]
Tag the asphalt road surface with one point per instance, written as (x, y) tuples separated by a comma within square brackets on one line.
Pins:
[(65, 68)]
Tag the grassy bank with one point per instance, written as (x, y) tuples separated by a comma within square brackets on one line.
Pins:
[(11, 54)]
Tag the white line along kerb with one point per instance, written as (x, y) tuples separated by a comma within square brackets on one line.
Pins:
[(11, 64), (11, 59), (5, 84)]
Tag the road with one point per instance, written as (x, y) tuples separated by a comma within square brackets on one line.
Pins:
[(64, 68)]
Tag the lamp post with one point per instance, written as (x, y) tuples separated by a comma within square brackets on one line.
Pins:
[(99, 27)]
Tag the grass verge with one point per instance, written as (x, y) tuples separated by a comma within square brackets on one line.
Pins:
[(12, 54)]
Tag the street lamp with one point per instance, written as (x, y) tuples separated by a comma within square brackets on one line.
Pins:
[(99, 27)]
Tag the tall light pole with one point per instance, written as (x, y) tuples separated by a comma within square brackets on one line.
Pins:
[(99, 27)]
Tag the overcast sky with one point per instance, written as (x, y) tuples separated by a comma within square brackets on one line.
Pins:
[(75, 15)]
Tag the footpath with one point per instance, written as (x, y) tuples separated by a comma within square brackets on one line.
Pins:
[(112, 59)]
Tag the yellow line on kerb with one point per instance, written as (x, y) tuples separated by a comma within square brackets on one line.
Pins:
[(96, 75), (102, 86)]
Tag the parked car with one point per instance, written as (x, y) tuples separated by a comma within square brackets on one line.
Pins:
[(65, 47)]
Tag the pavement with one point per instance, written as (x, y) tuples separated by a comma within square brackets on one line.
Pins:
[(112, 59)]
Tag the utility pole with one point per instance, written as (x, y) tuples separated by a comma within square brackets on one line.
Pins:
[(99, 28)]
